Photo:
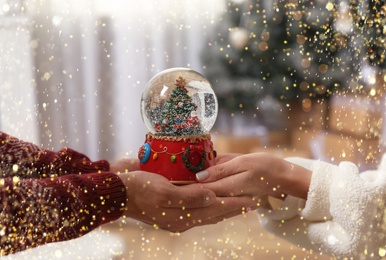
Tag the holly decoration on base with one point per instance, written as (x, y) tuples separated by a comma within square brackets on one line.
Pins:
[(179, 107), (194, 158)]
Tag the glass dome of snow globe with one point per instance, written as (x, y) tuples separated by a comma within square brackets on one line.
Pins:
[(179, 102)]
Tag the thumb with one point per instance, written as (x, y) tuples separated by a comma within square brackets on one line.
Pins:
[(219, 171)]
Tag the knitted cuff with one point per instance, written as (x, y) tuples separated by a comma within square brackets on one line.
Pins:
[(80, 163), (110, 195), (67, 161)]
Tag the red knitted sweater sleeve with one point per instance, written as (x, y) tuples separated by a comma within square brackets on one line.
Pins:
[(34, 211), (26, 160)]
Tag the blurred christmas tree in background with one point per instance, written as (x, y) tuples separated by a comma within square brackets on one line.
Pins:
[(269, 53)]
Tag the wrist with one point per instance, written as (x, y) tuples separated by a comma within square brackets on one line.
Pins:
[(124, 165), (297, 180)]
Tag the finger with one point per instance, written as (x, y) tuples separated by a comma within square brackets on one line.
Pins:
[(202, 222), (231, 205), (219, 171), (225, 157), (233, 186), (223, 208), (225, 216), (191, 198)]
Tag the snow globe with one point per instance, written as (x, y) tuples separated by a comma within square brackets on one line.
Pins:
[(179, 108)]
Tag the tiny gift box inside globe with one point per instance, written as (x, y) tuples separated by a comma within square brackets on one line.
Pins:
[(179, 108)]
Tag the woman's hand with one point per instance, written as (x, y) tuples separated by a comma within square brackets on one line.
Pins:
[(152, 199), (256, 175), (224, 157)]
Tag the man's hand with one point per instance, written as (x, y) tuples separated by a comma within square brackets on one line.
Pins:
[(124, 165), (152, 199)]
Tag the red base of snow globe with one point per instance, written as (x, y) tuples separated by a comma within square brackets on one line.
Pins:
[(176, 158)]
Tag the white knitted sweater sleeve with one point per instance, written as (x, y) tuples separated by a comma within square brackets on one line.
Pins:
[(343, 216)]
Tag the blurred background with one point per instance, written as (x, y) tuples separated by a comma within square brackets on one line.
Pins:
[(289, 76), (294, 78)]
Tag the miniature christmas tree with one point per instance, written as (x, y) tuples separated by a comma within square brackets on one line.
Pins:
[(177, 115)]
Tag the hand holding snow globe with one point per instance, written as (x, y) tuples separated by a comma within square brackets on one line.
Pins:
[(179, 108)]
